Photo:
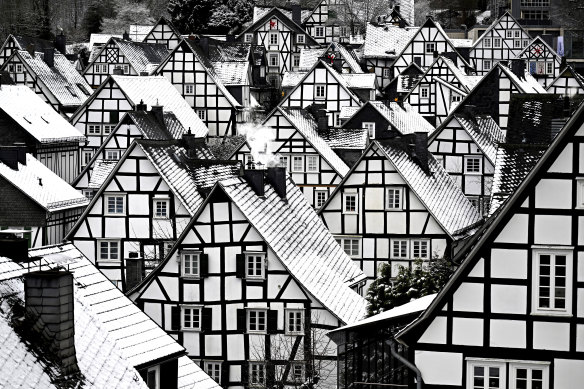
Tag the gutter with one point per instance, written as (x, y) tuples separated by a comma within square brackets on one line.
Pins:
[(407, 363)]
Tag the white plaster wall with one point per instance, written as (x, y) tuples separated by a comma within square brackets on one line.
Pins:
[(507, 333), (436, 332), (440, 368), (568, 373), (467, 332), (506, 263), (552, 229), (551, 336), (469, 297), (509, 299)]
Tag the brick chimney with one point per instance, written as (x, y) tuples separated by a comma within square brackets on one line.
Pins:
[(204, 44), (49, 300), (31, 49), (12, 155), (190, 142), (49, 57), (141, 106), (276, 176), (126, 36)]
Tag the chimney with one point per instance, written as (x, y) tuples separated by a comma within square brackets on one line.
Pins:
[(49, 57), (518, 67), (31, 49), (402, 23), (190, 142), (296, 14), (470, 110), (338, 65), (141, 107), (118, 71), (13, 247), (61, 42), (397, 8), (22, 149), (451, 56), (204, 44), (229, 38), (322, 121), (255, 179), (563, 64), (421, 150), (276, 176), (157, 111), (126, 36), (435, 54), (134, 270), (12, 155), (48, 297)]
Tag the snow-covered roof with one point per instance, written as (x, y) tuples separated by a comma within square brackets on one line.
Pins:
[(157, 90), (386, 41), (347, 112), (43, 186), (62, 80), (307, 126), (299, 238), (101, 170), (96, 40), (359, 80), (310, 56), (232, 73), (291, 79), (525, 84), (461, 42), (138, 32), (468, 82), (485, 132), (144, 57), (441, 196), (346, 138), (414, 306), (259, 12), (35, 116)]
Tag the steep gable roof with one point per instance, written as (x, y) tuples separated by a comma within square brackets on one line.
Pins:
[(164, 22), (24, 42), (308, 56), (569, 72), (287, 20), (537, 40), (493, 25), (484, 131), (470, 253), (387, 41)]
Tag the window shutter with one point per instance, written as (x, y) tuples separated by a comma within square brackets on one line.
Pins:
[(206, 319), (245, 373), (241, 325), (114, 116), (224, 374), (175, 318), (204, 258), (272, 321), (240, 266)]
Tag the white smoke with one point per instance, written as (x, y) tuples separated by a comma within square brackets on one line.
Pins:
[(261, 142)]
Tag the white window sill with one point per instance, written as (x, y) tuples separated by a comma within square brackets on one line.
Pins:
[(295, 333), (255, 279), (257, 332), (552, 313), (191, 329), (117, 261), (191, 277), (394, 209), (350, 213)]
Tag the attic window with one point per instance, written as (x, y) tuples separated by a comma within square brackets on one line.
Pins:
[(430, 47), (71, 90), (82, 89)]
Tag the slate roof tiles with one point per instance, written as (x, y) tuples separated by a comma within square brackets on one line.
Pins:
[(387, 41)]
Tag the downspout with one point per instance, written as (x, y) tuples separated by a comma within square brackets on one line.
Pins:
[(407, 363)]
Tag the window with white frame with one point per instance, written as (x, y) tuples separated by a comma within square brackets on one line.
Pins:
[(312, 163), (257, 374), (509, 33), (273, 59), (343, 31), (112, 155), (528, 375), (399, 248), (296, 60), (297, 163), (394, 198), (472, 165), (370, 128), (351, 246), (517, 33), (386, 73), (86, 156), (109, 250), (487, 43), (273, 38), (126, 69), (202, 114), (94, 129), (300, 38), (456, 98), (294, 321), (191, 318), (497, 43), (108, 128), (549, 68), (319, 32), (487, 64), (248, 38), (256, 320), (115, 204), (190, 263), (525, 42), (350, 203), (580, 192), (321, 197), (552, 284), (424, 92), (254, 265), (297, 372), (189, 89), (320, 91), (213, 369), (283, 161), (100, 68), (153, 377), (430, 47), (161, 207), (482, 374), (19, 68), (517, 44), (420, 249), (88, 193)]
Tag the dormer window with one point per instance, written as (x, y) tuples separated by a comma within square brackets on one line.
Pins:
[(300, 38), (430, 47)]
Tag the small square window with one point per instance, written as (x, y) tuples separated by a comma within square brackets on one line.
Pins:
[(283, 161), (19, 68), (320, 91), (109, 250), (256, 320), (528, 376), (321, 197), (312, 163), (430, 47), (189, 89), (399, 248), (420, 249), (115, 204), (161, 208), (88, 193), (86, 156), (394, 199), (112, 155), (509, 33), (297, 372), (94, 129), (386, 73), (517, 43), (273, 59), (257, 374), (108, 128), (487, 43), (300, 38), (486, 374), (549, 68), (297, 163), (273, 38), (191, 318), (517, 33), (213, 369), (456, 98), (254, 265), (202, 114), (472, 165), (248, 38), (497, 43), (351, 246), (101, 68), (424, 92), (487, 64), (370, 128), (319, 32), (126, 69), (350, 203), (296, 60), (294, 322)]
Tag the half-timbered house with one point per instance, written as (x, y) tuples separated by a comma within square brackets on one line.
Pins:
[(568, 83), (36, 203), (502, 41), (423, 47), (18, 42), (381, 48), (511, 314), (143, 206), (345, 58), (101, 113), (397, 205), (123, 57), (190, 70), (298, 144), (323, 85), (542, 61), (331, 21), (282, 37), (27, 120), (250, 290), (442, 88), (52, 76), (401, 85), (163, 32), (140, 124)]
